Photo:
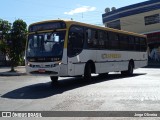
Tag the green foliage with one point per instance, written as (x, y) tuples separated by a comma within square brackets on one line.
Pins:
[(13, 39), (5, 28), (19, 36)]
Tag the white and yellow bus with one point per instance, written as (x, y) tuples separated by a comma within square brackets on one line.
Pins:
[(60, 48)]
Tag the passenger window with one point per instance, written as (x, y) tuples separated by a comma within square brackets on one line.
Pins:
[(137, 44), (131, 45), (106, 40), (92, 38), (123, 42), (143, 45), (113, 40), (101, 40)]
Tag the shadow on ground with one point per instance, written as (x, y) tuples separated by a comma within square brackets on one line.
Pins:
[(43, 90)]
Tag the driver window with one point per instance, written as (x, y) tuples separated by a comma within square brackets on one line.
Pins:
[(35, 41), (48, 42)]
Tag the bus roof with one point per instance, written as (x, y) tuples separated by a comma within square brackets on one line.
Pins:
[(92, 26)]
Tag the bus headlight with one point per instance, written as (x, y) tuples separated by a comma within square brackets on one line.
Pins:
[(28, 63), (56, 64)]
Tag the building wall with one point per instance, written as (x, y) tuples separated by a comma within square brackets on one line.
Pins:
[(136, 23), (141, 18)]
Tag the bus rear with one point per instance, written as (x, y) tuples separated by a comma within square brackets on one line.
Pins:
[(46, 48)]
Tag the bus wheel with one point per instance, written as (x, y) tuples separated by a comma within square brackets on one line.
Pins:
[(87, 72), (54, 79), (129, 72), (130, 69)]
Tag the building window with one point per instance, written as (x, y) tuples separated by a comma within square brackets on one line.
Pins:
[(114, 24), (153, 19)]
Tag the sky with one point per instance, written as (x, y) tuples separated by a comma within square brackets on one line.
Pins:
[(87, 11)]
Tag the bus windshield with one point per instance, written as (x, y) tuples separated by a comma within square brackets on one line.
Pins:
[(45, 45)]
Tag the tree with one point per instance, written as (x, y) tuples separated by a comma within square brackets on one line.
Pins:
[(17, 42), (5, 28), (13, 40)]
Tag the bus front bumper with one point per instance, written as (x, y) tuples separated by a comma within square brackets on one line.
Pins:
[(47, 69)]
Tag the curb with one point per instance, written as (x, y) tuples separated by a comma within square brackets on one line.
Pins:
[(12, 74), (19, 71)]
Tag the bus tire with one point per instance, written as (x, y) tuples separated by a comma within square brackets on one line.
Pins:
[(54, 79), (129, 72), (87, 72), (130, 69)]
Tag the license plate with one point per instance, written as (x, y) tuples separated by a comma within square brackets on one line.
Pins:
[(42, 70)]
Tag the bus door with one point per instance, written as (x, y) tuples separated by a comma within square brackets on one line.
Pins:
[(75, 47)]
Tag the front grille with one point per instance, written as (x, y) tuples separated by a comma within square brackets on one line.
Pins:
[(46, 72), (44, 59)]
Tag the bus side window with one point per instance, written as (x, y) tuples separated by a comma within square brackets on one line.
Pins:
[(89, 37), (143, 45), (92, 38), (137, 44), (101, 41), (95, 38), (131, 43), (106, 39), (123, 42), (113, 40)]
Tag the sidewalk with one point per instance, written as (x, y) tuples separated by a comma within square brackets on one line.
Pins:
[(5, 71)]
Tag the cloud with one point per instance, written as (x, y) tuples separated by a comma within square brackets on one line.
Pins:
[(80, 10)]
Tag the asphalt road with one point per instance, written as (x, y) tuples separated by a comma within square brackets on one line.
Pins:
[(141, 92)]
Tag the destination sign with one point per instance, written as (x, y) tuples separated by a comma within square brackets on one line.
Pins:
[(47, 26)]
